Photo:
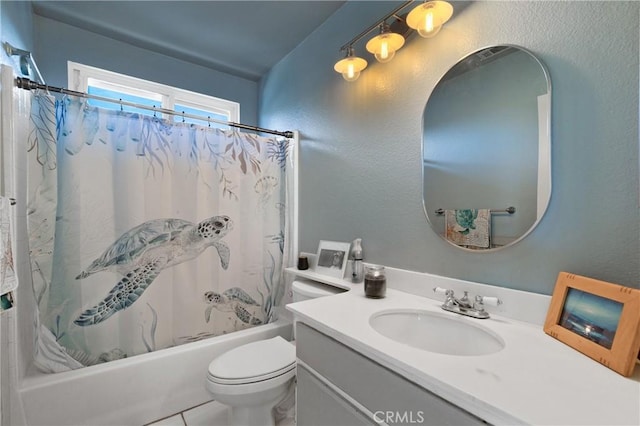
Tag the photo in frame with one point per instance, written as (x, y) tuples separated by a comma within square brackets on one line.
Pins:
[(597, 318), (332, 258)]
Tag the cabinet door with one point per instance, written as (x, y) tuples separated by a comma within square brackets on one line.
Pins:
[(317, 404), (389, 396)]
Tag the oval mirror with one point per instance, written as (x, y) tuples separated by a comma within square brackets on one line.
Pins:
[(487, 149)]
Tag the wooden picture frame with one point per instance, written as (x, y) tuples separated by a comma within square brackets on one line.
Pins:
[(597, 318), (332, 258)]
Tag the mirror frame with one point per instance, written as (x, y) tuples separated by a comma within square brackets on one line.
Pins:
[(548, 154)]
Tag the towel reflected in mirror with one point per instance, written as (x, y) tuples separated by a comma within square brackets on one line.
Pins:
[(470, 228)]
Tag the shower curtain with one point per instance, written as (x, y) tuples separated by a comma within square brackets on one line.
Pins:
[(145, 233)]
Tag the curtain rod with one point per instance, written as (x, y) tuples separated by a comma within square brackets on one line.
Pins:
[(27, 84)]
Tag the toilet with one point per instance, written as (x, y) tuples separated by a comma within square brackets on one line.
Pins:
[(254, 378)]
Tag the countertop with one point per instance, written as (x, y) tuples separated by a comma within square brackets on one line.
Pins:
[(535, 379)]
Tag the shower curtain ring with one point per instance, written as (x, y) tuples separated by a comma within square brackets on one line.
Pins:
[(154, 112), (121, 108), (183, 116), (209, 120)]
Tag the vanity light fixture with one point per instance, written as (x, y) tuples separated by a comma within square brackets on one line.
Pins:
[(384, 45), (350, 66), (429, 17)]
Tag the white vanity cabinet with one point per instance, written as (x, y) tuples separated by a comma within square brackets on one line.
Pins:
[(338, 386)]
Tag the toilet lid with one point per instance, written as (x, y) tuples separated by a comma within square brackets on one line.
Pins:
[(253, 362)]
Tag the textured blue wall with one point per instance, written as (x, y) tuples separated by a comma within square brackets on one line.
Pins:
[(360, 172), (57, 43)]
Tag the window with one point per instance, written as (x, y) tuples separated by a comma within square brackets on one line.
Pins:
[(109, 84)]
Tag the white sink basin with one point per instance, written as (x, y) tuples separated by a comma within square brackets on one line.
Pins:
[(436, 332)]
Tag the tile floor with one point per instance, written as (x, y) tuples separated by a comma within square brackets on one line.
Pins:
[(209, 414)]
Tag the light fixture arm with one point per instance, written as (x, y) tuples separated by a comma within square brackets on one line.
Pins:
[(375, 25), (349, 51), (384, 27)]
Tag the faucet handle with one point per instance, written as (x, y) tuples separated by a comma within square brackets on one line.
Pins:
[(449, 300), (440, 290), (491, 301), (484, 300)]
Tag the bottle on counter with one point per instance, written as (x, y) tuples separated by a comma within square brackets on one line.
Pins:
[(357, 267)]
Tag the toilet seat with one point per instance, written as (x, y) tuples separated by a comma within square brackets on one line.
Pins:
[(253, 362), (247, 380), (246, 388)]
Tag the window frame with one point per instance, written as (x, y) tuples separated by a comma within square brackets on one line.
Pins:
[(79, 76)]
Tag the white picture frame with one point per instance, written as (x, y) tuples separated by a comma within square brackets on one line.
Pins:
[(332, 258)]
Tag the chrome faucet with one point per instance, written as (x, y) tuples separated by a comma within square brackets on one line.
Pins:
[(464, 306)]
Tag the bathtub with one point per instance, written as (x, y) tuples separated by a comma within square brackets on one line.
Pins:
[(136, 390)]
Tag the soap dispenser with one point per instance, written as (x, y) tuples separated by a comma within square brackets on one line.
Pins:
[(357, 268)]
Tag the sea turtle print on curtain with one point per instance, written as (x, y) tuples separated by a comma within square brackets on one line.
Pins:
[(234, 300), (118, 201), (143, 252)]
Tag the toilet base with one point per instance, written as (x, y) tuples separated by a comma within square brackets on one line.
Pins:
[(261, 414), (251, 398), (254, 408), (251, 416), (286, 409)]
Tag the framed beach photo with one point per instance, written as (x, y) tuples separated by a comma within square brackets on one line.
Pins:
[(332, 258), (597, 318)]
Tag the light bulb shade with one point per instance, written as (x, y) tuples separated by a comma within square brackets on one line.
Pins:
[(384, 45), (350, 67), (429, 17)]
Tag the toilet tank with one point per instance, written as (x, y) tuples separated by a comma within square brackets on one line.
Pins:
[(305, 289)]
